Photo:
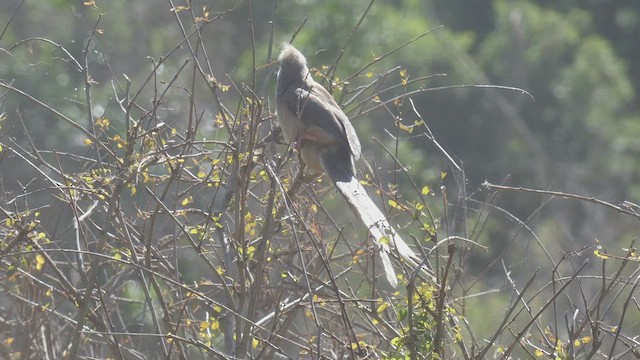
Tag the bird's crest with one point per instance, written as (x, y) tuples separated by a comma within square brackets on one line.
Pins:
[(290, 54)]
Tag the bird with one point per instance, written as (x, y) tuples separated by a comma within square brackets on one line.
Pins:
[(315, 125)]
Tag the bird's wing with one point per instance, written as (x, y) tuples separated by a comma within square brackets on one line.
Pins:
[(324, 118), (322, 94)]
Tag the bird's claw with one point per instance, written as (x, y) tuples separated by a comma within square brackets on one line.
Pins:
[(300, 137)]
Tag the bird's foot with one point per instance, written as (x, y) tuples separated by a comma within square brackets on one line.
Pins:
[(300, 137)]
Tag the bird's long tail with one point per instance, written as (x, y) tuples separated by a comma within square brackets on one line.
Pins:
[(366, 210)]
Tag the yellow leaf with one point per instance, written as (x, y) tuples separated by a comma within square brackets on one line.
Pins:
[(186, 201), (393, 203), (382, 307), (255, 342), (219, 270), (600, 254), (369, 74), (40, 262), (425, 190), (201, 174), (539, 353), (103, 122), (251, 250), (87, 141), (577, 343), (396, 341), (90, 3)]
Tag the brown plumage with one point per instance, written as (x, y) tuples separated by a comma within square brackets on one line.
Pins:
[(314, 123)]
